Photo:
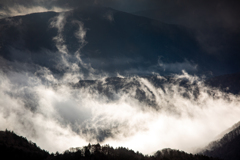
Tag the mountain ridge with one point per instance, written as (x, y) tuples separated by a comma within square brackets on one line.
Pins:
[(13, 146), (86, 153), (114, 42), (227, 147)]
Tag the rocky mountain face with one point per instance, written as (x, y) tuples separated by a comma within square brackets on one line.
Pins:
[(144, 88)]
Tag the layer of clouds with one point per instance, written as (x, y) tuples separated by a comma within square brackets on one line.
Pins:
[(58, 117), (178, 66), (46, 109)]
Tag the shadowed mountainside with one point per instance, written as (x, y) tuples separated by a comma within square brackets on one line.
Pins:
[(13, 146), (215, 24), (115, 41), (227, 147), (229, 83)]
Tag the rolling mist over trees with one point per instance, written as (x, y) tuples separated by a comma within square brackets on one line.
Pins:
[(13, 146)]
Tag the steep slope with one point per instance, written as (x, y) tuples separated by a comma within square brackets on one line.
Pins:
[(215, 24), (227, 147), (13, 146)]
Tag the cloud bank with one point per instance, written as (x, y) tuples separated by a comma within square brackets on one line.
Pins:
[(46, 108), (59, 116)]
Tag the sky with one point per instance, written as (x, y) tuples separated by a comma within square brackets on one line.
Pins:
[(43, 106)]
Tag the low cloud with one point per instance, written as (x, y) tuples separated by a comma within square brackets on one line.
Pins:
[(178, 66), (58, 117), (47, 109), (72, 63), (109, 16)]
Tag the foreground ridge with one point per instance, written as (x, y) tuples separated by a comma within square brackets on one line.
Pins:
[(14, 146), (227, 147), (18, 147)]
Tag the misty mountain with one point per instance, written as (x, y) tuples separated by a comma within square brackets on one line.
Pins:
[(92, 75), (111, 41), (215, 24), (114, 87), (227, 147), (13, 146)]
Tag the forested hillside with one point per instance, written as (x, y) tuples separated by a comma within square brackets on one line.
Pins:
[(17, 147)]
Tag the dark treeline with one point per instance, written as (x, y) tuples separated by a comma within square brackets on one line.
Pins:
[(13, 146), (228, 147), (97, 152)]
